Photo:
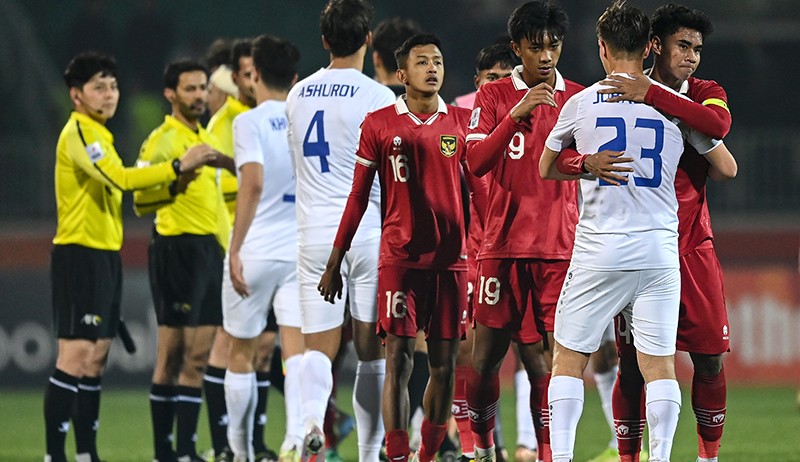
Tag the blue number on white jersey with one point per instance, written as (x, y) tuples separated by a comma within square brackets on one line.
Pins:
[(619, 143), (320, 147)]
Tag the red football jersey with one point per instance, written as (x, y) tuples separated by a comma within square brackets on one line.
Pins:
[(694, 221), (526, 216), (419, 166)]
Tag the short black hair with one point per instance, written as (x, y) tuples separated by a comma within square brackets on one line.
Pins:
[(218, 54), (498, 53), (276, 60), (402, 52), (240, 48), (624, 28), (389, 35), (85, 65), (536, 19), (345, 25), (173, 71), (669, 18)]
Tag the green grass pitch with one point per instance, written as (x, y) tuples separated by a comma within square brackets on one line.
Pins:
[(763, 425)]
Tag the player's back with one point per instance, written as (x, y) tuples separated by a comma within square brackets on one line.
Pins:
[(634, 225), (325, 111), (261, 137)]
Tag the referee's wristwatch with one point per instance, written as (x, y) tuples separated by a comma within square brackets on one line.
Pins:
[(176, 165)]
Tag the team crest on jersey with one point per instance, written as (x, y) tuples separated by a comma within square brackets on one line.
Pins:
[(448, 144)]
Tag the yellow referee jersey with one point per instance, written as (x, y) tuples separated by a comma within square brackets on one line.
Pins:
[(221, 126), (90, 178), (201, 209)]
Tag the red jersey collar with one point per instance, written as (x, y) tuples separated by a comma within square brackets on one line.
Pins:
[(401, 108), (519, 84)]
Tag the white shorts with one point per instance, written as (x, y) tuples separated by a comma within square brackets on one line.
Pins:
[(273, 285), (360, 278), (590, 299)]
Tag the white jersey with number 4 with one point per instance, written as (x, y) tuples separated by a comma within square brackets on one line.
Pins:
[(633, 226), (325, 111)]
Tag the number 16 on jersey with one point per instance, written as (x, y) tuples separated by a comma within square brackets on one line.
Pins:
[(319, 147)]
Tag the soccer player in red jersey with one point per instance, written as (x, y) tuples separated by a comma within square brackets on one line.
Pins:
[(529, 227), (703, 330), (416, 147)]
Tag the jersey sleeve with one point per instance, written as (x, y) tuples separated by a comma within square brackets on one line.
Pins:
[(357, 203), (246, 142), (563, 133), (487, 139), (368, 152), (103, 164), (703, 143), (570, 162), (149, 200), (710, 116)]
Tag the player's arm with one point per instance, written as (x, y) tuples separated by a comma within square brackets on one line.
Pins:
[(478, 192), (486, 139), (711, 116), (146, 201), (723, 164), (248, 153), (560, 138), (330, 285)]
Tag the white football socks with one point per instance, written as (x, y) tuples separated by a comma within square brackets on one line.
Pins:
[(367, 393), (565, 397), (240, 398), (291, 395), (663, 409), (526, 433), (315, 387)]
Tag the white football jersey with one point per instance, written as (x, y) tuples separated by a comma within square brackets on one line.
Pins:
[(259, 135), (325, 111), (633, 226)]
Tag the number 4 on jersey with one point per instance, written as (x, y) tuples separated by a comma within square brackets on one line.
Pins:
[(318, 148)]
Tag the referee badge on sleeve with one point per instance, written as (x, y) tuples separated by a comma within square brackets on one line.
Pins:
[(95, 152)]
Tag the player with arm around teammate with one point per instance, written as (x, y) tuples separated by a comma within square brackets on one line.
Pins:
[(614, 266), (416, 147)]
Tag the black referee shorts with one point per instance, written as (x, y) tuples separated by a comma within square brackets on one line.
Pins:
[(87, 290), (186, 280)]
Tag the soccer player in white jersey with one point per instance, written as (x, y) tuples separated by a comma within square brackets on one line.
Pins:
[(626, 248), (261, 263), (325, 111)]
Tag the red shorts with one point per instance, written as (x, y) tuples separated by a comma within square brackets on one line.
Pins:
[(519, 295), (410, 300), (703, 323)]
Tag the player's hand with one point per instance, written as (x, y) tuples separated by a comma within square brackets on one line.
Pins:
[(197, 156), (604, 165), (183, 181), (220, 160), (540, 94), (237, 275), (625, 88), (330, 285)]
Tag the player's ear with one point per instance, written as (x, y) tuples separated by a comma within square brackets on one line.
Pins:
[(169, 94), (647, 49), (476, 80), (401, 76), (655, 45), (325, 43), (74, 95), (516, 49), (368, 40), (294, 81)]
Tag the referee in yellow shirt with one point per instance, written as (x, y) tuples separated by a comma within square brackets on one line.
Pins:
[(85, 263), (186, 255)]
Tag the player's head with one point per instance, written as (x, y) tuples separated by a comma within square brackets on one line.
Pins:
[(494, 62), (92, 81), (420, 65), (387, 37), (186, 88), (345, 26), (537, 32), (677, 35), (242, 67), (218, 54), (623, 33), (275, 62)]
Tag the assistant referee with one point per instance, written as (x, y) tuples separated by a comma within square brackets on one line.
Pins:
[(85, 263)]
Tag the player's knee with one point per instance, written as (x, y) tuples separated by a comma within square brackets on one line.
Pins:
[(443, 376), (708, 365)]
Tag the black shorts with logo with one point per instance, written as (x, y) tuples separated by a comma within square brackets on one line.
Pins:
[(87, 291), (186, 279)]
